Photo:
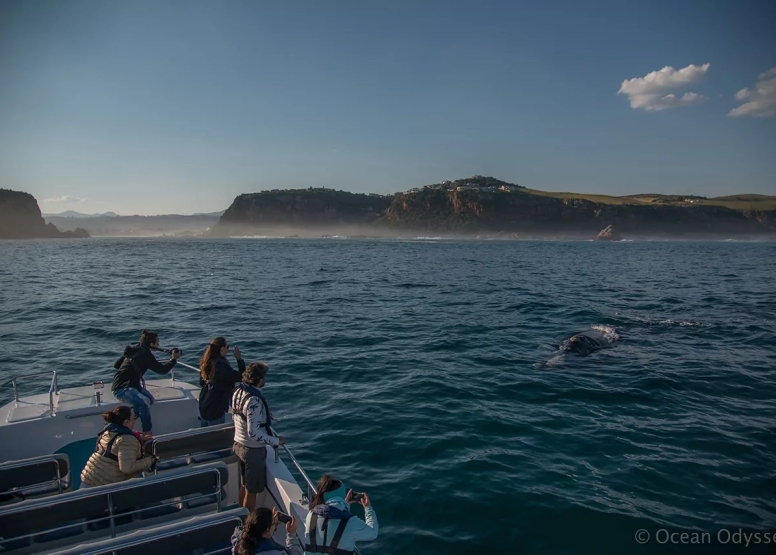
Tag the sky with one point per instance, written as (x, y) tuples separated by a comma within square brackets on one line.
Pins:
[(147, 107)]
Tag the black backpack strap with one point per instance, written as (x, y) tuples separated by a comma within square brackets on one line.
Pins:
[(107, 453), (338, 535), (313, 547), (330, 549), (97, 448), (325, 530)]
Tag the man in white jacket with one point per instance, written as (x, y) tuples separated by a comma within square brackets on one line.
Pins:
[(330, 527), (252, 432)]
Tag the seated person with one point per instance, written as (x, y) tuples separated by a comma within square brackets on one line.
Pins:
[(330, 511), (256, 535), (118, 455)]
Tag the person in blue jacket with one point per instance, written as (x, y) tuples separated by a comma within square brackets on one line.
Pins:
[(330, 527)]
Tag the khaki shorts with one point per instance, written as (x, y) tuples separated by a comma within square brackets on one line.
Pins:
[(253, 467)]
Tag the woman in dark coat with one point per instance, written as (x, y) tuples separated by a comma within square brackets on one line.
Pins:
[(217, 378)]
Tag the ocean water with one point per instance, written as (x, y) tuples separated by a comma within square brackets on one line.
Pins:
[(417, 371)]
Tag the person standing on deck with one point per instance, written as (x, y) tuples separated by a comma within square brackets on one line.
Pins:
[(217, 379), (128, 382), (253, 433)]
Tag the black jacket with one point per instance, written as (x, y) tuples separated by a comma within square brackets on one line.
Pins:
[(216, 394), (134, 363)]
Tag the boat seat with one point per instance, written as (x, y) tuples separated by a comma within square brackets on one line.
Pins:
[(194, 446), (202, 534), (41, 524), (34, 477)]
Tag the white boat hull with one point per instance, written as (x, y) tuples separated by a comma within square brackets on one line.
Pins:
[(31, 427)]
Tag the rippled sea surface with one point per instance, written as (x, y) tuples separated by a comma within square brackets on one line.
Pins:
[(416, 370)]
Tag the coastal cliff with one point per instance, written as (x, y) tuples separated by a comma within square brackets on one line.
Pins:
[(485, 205), (301, 209), (20, 218)]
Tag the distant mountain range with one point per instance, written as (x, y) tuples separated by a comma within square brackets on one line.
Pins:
[(74, 214), (106, 225)]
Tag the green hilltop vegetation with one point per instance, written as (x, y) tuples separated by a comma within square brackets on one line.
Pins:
[(488, 205), (734, 202)]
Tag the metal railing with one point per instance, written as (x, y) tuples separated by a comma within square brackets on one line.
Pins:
[(172, 372), (310, 485), (71, 522), (53, 388)]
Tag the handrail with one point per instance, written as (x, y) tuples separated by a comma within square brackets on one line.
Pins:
[(172, 372), (53, 388), (300, 469), (152, 534), (13, 381)]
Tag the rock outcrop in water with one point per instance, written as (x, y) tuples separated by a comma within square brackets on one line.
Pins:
[(20, 218), (485, 205), (608, 234)]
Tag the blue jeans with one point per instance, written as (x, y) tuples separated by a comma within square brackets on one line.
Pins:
[(134, 398), (147, 393), (205, 423)]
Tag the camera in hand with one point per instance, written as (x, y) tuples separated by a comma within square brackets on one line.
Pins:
[(356, 497), (284, 518)]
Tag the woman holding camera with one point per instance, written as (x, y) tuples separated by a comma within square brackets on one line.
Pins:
[(118, 455), (128, 382), (330, 525), (256, 535), (217, 379)]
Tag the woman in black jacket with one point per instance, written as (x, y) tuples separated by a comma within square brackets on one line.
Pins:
[(217, 378)]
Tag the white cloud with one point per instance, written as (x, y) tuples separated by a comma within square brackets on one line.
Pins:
[(648, 92), (760, 101), (65, 198), (656, 102)]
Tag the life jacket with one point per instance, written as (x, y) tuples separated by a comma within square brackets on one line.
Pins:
[(119, 431), (327, 512), (251, 392)]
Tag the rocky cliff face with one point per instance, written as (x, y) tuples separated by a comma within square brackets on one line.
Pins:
[(477, 210), (484, 205), (303, 209), (20, 218)]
